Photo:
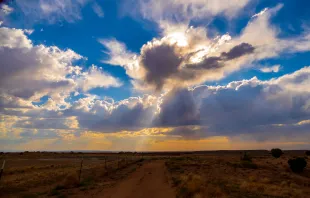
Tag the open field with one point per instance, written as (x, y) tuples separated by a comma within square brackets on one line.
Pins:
[(175, 174)]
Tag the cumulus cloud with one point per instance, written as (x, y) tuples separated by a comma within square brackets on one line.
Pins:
[(29, 71), (261, 110), (38, 82), (185, 56), (246, 107), (95, 77), (176, 59), (101, 115), (274, 68)]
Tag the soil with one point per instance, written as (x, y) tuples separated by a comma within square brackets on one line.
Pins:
[(150, 180)]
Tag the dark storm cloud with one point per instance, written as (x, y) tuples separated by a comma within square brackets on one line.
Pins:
[(238, 51), (214, 62), (178, 109), (250, 107), (160, 62)]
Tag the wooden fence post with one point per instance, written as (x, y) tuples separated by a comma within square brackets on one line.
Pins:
[(81, 170), (1, 171)]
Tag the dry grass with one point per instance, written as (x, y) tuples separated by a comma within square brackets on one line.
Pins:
[(228, 176), (54, 174)]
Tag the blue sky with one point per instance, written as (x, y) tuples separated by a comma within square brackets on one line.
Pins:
[(143, 75)]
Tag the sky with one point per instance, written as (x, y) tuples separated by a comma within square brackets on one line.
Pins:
[(154, 75)]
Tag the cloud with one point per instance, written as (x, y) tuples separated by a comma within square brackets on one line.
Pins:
[(95, 77), (182, 11), (251, 107), (260, 13), (98, 10), (51, 11), (100, 115), (29, 72), (274, 68), (261, 110), (14, 38), (176, 60), (185, 56), (6, 9), (120, 56)]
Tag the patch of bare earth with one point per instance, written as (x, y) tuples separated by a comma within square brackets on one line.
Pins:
[(150, 180)]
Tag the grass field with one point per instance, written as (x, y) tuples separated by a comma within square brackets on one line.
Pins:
[(196, 174)]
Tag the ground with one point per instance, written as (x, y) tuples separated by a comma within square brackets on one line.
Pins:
[(113, 175)]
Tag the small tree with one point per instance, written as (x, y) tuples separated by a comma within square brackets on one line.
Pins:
[(276, 152), (298, 164)]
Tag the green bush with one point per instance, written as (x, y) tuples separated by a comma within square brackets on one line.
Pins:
[(276, 152), (298, 164)]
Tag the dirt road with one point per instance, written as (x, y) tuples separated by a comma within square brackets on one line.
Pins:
[(150, 180)]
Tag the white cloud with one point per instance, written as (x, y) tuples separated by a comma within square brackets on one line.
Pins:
[(51, 11), (28, 72), (120, 56), (6, 9), (95, 77), (260, 13), (274, 68), (98, 10), (182, 11), (29, 31), (14, 38)]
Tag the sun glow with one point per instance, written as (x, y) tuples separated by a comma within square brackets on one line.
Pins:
[(200, 55), (178, 38)]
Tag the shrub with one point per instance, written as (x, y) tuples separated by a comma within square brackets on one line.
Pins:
[(276, 152), (307, 153), (298, 164), (190, 186), (246, 157)]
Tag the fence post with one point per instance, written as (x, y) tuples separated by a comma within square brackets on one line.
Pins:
[(81, 170), (1, 171)]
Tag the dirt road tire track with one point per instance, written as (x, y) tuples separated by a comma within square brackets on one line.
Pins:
[(150, 180)]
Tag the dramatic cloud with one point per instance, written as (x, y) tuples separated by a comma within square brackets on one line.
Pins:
[(251, 108), (47, 93), (29, 72), (186, 56)]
